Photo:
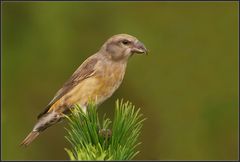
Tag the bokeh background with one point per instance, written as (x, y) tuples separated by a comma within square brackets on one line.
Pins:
[(187, 87)]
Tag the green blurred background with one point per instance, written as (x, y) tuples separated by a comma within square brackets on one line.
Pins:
[(187, 87)]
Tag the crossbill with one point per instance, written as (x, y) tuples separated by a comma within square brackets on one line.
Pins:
[(96, 79)]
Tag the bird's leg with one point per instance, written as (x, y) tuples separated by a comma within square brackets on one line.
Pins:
[(84, 108)]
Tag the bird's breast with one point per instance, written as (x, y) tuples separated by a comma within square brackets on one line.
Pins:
[(99, 87), (109, 81)]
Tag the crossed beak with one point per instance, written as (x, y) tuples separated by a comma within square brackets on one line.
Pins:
[(139, 48)]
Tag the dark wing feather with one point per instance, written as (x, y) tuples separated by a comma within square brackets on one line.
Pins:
[(86, 70)]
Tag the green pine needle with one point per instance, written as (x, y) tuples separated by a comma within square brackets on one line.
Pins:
[(92, 140)]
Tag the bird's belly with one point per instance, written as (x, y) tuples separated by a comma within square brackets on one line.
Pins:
[(97, 89), (106, 89)]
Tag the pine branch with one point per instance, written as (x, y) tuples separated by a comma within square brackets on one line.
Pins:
[(92, 140)]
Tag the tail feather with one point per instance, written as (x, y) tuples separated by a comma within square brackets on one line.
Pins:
[(43, 123), (31, 136)]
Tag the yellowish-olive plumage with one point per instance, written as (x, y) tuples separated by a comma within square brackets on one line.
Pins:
[(96, 79)]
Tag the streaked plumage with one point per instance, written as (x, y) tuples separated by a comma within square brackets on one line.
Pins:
[(97, 78)]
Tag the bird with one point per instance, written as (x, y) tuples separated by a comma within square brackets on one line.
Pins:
[(96, 79)]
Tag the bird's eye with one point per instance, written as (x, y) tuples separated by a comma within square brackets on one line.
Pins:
[(125, 42)]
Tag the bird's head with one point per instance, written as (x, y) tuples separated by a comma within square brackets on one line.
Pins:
[(121, 46)]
